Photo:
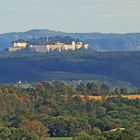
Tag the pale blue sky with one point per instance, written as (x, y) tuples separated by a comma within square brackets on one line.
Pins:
[(70, 15)]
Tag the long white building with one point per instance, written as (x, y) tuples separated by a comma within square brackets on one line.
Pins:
[(15, 46)]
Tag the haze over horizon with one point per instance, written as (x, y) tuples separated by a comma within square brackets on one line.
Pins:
[(109, 16)]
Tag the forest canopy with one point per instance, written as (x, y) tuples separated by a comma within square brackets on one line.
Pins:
[(56, 109)]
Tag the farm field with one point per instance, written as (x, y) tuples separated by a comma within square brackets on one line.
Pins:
[(132, 97), (99, 98)]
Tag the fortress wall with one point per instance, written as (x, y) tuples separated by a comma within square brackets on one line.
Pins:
[(13, 49), (44, 48), (54, 47), (19, 45), (39, 48), (78, 46), (69, 47)]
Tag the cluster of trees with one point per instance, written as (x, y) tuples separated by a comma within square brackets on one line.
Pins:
[(57, 109), (51, 40), (7, 133), (129, 134)]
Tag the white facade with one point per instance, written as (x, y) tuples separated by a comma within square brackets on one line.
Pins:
[(15, 46)]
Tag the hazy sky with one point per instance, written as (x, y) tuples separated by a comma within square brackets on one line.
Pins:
[(70, 15)]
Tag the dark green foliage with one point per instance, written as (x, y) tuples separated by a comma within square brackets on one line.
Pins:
[(58, 107), (51, 40), (84, 136), (15, 134)]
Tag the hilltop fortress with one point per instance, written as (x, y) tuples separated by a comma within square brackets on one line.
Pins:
[(20, 45), (17, 45)]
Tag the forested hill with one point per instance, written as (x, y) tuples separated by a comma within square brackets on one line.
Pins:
[(100, 41), (80, 65)]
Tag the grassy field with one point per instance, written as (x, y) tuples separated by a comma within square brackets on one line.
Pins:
[(58, 138), (129, 97)]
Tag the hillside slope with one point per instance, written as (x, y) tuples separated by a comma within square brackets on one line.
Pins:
[(79, 65)]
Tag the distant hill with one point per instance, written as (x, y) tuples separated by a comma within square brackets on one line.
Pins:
[(7, 38), (116, 68), (100, 41)]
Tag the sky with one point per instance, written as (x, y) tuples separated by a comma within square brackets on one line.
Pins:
[(114, 16)]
